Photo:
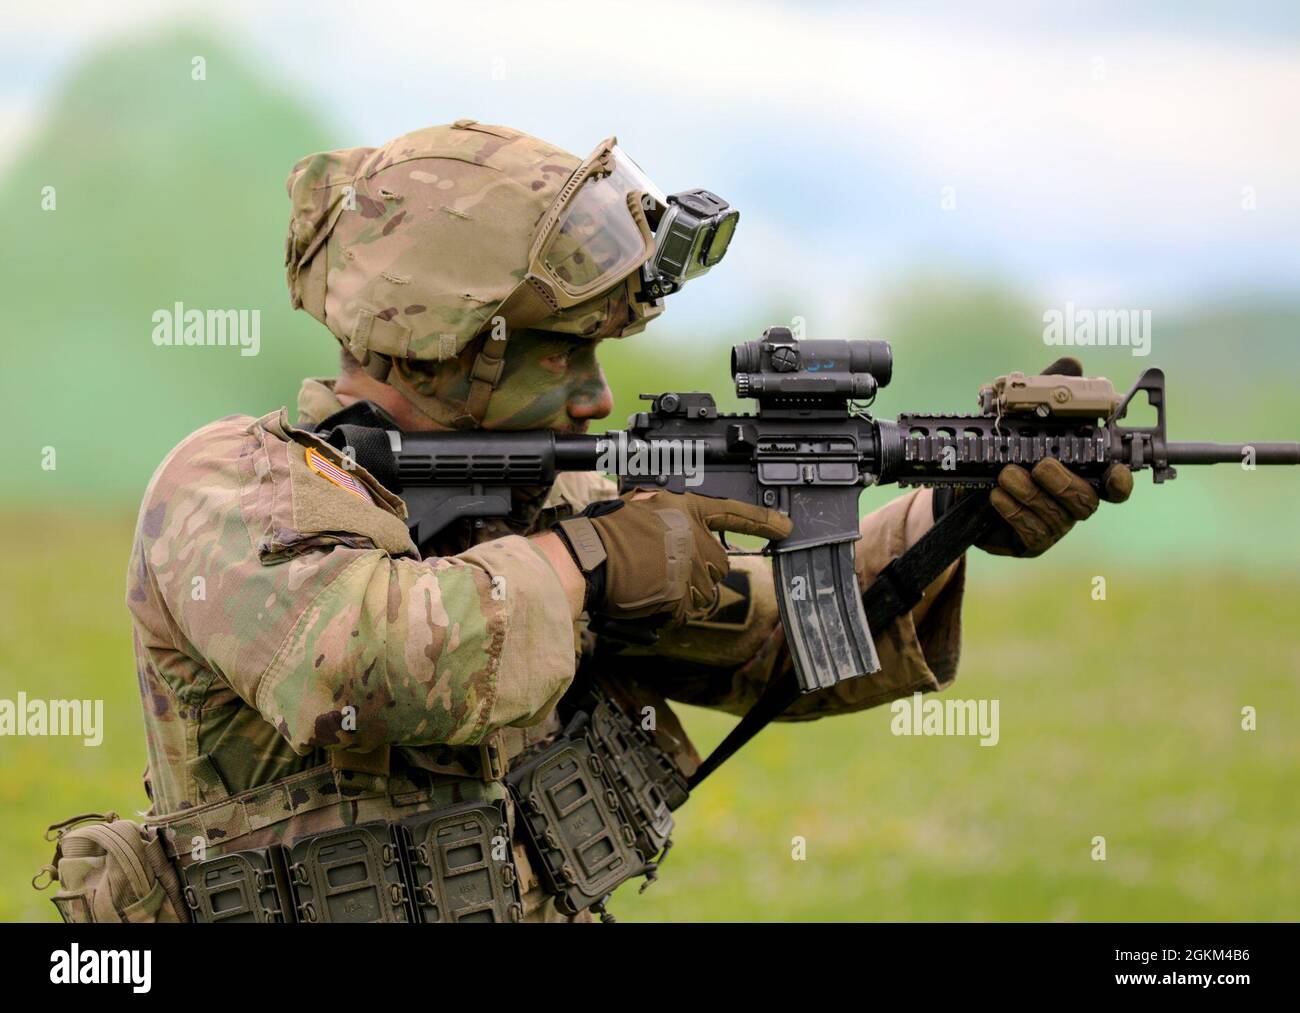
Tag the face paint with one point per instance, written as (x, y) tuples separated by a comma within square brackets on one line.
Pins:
[(548, 379)]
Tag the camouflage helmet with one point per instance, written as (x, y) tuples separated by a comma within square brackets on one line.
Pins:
[(408, 251)]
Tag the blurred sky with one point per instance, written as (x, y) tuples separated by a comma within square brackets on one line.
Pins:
[(1097, 152)]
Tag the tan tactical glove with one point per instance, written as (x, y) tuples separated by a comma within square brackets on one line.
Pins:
[(1041, 505), (652, 552)]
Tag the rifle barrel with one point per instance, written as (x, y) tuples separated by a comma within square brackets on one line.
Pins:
[(1233, 453), (576, 451)]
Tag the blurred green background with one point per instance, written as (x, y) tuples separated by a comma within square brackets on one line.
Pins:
[(1119, 718)]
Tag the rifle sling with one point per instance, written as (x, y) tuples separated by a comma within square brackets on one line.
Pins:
[(897, 588)]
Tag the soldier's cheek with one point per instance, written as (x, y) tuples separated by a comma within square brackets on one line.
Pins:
[(536, 408)]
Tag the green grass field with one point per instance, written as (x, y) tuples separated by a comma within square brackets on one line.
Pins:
[(1119, 719)]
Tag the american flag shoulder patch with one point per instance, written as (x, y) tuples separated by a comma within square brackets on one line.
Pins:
[(327, 469)]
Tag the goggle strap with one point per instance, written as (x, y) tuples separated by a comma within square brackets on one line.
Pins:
[(525, 305)]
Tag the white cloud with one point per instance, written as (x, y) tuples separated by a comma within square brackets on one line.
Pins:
[(979, 106)]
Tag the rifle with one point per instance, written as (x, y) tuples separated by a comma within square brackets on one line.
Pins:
[(809, 450)]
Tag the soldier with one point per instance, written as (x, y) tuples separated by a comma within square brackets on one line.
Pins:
[(318, 697)]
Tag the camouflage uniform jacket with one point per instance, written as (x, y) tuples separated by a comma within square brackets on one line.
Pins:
[(280, 612)]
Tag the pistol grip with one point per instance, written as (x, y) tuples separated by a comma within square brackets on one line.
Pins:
[(821, 610)]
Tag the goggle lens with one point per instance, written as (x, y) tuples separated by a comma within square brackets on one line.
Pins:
[(597, 241)]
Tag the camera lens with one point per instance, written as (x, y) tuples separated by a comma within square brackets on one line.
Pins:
[(721, 238)]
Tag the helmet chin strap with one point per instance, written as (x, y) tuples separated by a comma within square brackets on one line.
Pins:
[(377, 366), (527, 304), (485, 374), (432, 408)]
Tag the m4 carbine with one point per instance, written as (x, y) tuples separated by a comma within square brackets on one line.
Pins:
[(810, 450)]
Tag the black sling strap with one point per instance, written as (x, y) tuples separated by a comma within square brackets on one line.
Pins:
[(896, 590)]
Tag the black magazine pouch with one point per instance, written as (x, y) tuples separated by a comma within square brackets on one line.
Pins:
[(353, 874), (581, 840), (462, 865)]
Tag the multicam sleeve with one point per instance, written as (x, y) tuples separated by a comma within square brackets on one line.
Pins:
[(726, 661), (413, 652), (329, 629)]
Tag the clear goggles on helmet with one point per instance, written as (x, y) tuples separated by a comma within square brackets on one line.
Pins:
[(610, 221)]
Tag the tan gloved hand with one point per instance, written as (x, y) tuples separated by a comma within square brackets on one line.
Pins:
[(661, 557), (1041, 505)]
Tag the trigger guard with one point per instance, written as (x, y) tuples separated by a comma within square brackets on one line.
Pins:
[(732, 551)]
